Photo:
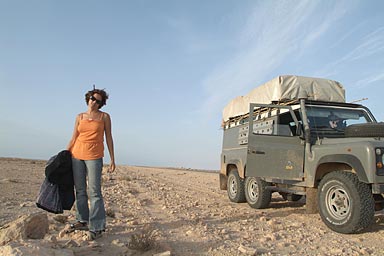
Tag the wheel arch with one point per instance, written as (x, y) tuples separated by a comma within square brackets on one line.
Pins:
[(339, 162), (231, 165), (238, 165)]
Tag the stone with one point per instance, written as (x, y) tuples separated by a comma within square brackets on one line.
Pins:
[(60, 218), (32, 226), (247, 250), (117, 242), (133, 222), (190, 233), (27, 249), (167, 253), (62, 233), (51, 239), (71, 243)]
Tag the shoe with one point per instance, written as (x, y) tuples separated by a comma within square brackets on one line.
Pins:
[(93, 235), (79, 225)]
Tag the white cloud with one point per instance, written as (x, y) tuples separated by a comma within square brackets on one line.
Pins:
[(374, 78), (273, 32), (342, 39), (370, 45), (329, 18)]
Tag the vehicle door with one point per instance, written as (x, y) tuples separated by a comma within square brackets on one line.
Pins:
[(274, 149)]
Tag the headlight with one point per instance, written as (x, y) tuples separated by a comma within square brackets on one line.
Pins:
[(379, 158)]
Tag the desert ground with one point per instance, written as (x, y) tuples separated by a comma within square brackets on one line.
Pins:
[(165, 211)]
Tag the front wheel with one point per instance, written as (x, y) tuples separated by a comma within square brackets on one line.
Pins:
[(346, 204), (256, 192)]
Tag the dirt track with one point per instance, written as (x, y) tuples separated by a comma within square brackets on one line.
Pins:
[(188, 214)]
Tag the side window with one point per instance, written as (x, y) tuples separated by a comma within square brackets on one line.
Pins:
[(284, 130), (277, 123), (286, 125), (264, 127)]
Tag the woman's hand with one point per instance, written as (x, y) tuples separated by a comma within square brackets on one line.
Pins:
[(112, 167)]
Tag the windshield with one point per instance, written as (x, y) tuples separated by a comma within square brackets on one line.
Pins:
[(334, 117)]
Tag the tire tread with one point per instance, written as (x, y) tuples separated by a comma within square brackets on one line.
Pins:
[(240, 196), (366, 210)]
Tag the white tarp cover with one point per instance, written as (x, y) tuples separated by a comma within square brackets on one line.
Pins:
[(283, 88)]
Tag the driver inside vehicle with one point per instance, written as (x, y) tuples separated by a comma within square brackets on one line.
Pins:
[(335, 122)]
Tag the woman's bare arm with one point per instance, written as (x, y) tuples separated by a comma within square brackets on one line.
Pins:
[(109, 139), (74, 135)]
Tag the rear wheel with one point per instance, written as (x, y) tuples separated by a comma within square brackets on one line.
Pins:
[(256, 192), (235, 187), (346, 205)]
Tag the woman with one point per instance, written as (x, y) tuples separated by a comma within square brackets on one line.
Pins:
[(87, 150)]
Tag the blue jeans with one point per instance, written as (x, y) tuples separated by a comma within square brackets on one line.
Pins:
[(94, 214)]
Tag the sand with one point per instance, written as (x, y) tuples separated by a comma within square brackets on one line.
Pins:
[(179, 212)]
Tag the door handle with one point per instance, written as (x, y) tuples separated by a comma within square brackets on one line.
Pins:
[(257, 152)]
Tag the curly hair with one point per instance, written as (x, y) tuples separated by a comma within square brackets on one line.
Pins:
[(104, 96)]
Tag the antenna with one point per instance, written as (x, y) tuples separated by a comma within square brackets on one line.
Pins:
[(359, 100)]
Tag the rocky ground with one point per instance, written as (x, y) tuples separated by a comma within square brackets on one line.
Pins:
[(155, 211)]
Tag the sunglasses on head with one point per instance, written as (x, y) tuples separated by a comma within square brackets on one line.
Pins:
[(92, 98)]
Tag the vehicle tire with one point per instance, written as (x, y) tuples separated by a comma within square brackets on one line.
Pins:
[(346, 205), (256, 193), (235, 187), (290, 197), (365, 130)]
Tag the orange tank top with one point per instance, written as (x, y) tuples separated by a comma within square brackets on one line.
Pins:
[(89, 145)]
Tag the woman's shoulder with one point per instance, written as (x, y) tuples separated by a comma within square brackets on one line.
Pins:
[(105, 115), (84, 115), (80, 115)]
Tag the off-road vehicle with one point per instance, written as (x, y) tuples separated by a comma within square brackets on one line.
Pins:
[(297, 136)]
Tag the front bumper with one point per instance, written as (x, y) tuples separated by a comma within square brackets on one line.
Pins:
[(377, 188)]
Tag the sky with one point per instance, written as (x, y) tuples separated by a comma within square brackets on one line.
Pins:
[(170, 67)]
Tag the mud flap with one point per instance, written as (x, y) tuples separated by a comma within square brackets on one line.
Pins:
[(223, 181), (311, 204)]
